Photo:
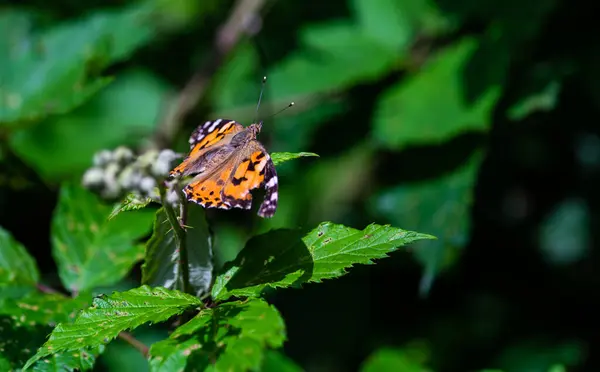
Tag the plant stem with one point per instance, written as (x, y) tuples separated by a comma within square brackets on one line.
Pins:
[(140, 346), (180, 241)]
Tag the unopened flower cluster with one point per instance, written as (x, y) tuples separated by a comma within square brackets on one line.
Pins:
[(118, 173)]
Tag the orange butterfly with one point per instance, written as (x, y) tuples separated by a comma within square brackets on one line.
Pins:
[(227, 162)]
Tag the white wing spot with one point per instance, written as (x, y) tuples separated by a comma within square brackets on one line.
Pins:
[(215, 124), (272, 182), (274, 196)]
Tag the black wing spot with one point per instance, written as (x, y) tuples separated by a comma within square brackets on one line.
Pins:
[(220, 182), (237, 181), (208, 204), (260, 156), (212, 193)]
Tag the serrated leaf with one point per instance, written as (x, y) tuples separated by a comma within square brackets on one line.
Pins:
[(449, 199), (280, 157), (132, 202), (17, 267), (110, 315), (75, 360), (56, 70), (283, 258), (18, 344), (90, 250), (231, 337), (432, 106), (161, 266)]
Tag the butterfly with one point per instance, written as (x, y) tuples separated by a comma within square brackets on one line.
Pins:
[(226, 162)]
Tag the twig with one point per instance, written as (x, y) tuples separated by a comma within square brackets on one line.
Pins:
[(137, 344), (180, 242), (45, 289), (244, 19)]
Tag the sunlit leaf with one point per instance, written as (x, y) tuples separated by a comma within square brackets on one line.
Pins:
[(58, 69), (233, 337), (431, 106), (396, 23), (132, 202), (123, 114), (17, 267), (161, 266), (283, 258), (110, 315), (280, 157), (91, 250)]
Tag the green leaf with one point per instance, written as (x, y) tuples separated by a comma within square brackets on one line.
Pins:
[(43, 309), (392, 360), (132, 202), (121, 115), (431, 106), (90, 250), (76, 360), (322, 66), (449, 199), (110, 315), (161, 266), (275, 361), (17, 267), (233, 337), (280, 157), (18, 344), (56, 70), (283, 258), (396, 23), (544, 100)]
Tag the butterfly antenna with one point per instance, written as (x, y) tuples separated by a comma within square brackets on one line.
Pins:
[(262, 88), (283, 109)]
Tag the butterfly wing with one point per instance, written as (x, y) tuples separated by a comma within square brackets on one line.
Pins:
[(253, 169), (204, 139), (269, 205), (207, 190)]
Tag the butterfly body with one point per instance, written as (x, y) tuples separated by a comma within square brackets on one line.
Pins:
[(226, 162)]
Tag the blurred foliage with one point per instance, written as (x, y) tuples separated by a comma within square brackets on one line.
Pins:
[(473, 121)]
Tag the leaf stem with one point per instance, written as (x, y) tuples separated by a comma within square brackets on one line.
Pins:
[(137, 344), (180, 241)]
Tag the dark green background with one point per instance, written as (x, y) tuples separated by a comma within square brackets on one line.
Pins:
[(474, 121)]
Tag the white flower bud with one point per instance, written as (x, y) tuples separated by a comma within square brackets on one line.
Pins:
[(147, 185), (93, 177), (163, 163), (102, 158), (123, 155), (130, 178)]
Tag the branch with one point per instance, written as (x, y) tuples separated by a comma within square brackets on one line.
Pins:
[(244, 19), (137, 344), (180, 242)]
